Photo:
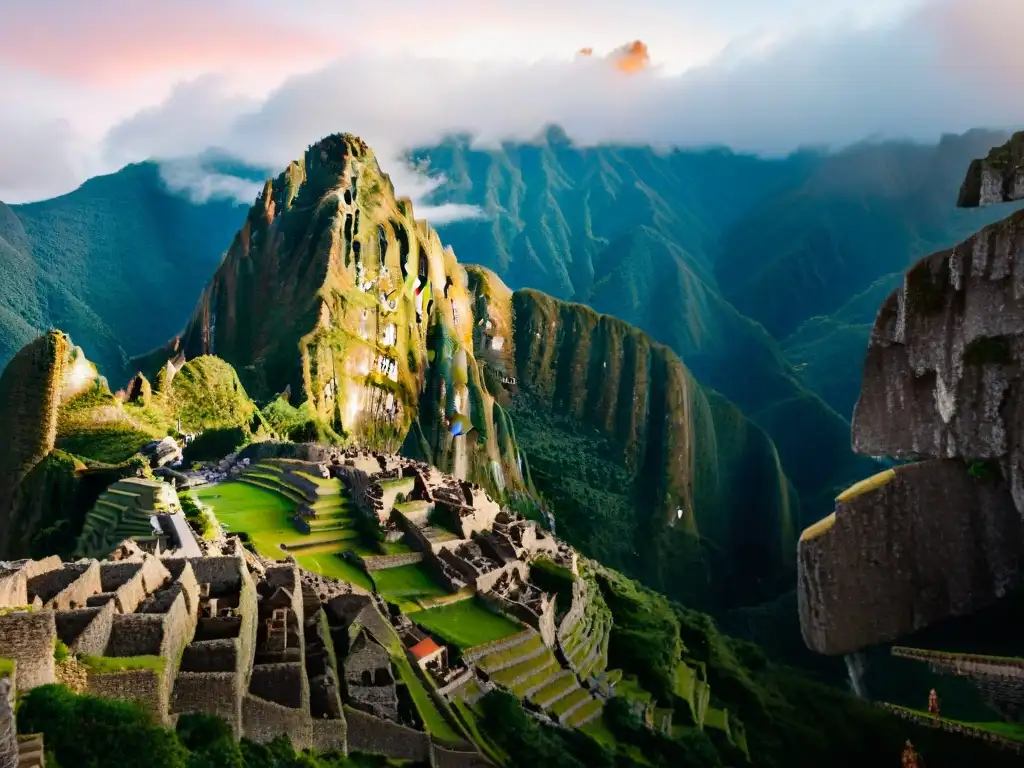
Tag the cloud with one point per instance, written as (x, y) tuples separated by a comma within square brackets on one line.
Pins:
[(200, 183), (631, 57), (944, 65)]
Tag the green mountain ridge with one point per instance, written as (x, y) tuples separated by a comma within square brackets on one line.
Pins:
[(110, 263), (332, 280)]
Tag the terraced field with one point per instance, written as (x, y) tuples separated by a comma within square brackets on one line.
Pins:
[(466, 624), (261, 504), (531, 671), (586, 643)]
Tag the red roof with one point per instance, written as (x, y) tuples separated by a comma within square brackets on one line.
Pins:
[(424, 648)]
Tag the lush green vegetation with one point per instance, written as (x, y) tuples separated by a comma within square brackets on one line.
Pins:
[(265, 517), (216, 443), (466, 624), (90, 732)]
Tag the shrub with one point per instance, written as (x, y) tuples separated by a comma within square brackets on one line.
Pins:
[(216, 444), (94, 732)]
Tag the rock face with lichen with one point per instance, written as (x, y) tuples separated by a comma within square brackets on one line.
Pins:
[(942, 382), (998, 178)]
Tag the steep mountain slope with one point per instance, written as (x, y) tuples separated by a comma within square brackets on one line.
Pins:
[(333, 292), (864, 213), (634, 234), (110, 263)]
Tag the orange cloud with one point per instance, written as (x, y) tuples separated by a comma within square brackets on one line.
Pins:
[(629, 58)]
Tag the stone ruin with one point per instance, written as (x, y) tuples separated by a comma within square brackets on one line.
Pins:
[(226, 635)]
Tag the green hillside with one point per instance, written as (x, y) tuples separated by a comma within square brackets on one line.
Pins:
[(117, 264)]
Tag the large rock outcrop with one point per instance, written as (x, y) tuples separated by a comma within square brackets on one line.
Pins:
[(942, 381), (998, 178), (929, 541)]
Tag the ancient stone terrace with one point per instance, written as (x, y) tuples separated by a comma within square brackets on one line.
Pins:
[(135, 508), (228, 635)]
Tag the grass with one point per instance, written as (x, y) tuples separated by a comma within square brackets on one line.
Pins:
[(631, 690), (265, 516), (506, 655), (406, 584), (554, 689), (468, 717), (467, 624), (433, 720), (111, 664), (6, 668), (528, 667), (1013, 731), (566, 703)]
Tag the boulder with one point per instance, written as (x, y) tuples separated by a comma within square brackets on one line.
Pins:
[(162, 452), (921, 543)]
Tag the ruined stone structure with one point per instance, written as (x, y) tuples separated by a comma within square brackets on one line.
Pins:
[(943, 384), (226, 635)]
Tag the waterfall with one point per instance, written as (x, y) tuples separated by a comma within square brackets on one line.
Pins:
[(856, 665)]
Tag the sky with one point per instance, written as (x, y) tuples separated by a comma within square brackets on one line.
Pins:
[(86, 88)]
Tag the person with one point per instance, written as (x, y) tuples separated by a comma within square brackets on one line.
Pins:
[(910, 759), (933, 703)]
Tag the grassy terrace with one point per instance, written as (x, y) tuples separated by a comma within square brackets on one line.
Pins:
[(433, 720), (6, 668), (466, 624), (111, 664), (264, 515), (406, 585), (1012, 731)]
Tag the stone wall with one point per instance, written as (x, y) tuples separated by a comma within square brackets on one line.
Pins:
[(8, 730), (223, 574), (367, 733), (931, 543), (14, 584), (279, 683), (485, 582), (329, 735), (28, 638), (72, 673), (211, 656), (262, 721), (576, 610), (136, 634), (145, 687), (86, 630), (383, 562), (211, 693)]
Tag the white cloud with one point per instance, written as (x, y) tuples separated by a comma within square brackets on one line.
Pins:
[(948, 66)]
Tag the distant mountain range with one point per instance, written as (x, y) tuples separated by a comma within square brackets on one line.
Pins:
[(763, 275)]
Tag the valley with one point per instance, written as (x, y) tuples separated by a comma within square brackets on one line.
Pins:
[(378, 501)]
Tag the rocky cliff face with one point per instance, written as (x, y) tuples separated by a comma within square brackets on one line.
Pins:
[(679, 483), (998, 178), (942, 381)]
